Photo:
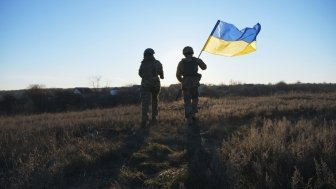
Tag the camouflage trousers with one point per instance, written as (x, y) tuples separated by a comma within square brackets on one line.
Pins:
[(149, 94), (190, 96)]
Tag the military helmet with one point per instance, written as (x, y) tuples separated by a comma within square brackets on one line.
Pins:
[(149, 51), (188, 50)]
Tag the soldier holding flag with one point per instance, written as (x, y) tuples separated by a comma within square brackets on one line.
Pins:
[(187, 74)]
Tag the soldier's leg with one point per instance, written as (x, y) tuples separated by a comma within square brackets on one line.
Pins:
[(145, 98), (194, 102), (155, 99), (187, 103)]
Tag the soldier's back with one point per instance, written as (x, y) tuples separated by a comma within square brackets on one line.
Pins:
[(148, 69), (190, 67)]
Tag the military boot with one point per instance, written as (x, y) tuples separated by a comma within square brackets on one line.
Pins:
[(154, 120), (189, 121), (144, 123), (193, 117)]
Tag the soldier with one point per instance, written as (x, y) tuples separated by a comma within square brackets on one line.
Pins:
[(149, 71), (187, 74)]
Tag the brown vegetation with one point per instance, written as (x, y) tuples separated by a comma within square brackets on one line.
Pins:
[(37, 100), (277, 141)]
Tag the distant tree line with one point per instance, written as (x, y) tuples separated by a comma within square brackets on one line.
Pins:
[(36, 99), (40, 100), (264, 90)]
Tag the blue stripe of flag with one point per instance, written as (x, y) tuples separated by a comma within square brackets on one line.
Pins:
[(229, 32)]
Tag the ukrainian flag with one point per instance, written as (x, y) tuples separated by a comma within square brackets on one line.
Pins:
[(225, 39)]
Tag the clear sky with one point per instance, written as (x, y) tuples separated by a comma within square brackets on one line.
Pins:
[(66, 43)]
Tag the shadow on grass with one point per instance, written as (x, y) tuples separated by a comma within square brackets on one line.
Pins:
[(104, 171), (204, 166)]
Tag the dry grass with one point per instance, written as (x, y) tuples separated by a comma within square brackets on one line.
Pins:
[(282, 141)]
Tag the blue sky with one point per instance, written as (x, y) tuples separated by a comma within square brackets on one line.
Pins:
[(66, 43)]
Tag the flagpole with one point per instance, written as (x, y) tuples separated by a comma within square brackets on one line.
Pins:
[(213, 30)]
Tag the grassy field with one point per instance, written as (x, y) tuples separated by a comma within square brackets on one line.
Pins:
[(278, 141)]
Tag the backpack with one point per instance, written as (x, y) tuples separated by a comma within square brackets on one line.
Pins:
[(190, 66), (149, 69)]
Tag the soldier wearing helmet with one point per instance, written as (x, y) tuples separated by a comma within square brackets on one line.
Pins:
[(187, 74), (150, 70)]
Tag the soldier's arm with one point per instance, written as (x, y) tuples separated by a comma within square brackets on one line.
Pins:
[(201, 64), (179, 72), (140, 71), (160, 70)]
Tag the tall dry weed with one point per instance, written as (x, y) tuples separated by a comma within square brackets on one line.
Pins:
[(280, 153)]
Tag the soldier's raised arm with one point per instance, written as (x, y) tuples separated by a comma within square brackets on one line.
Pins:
[(201, 64)]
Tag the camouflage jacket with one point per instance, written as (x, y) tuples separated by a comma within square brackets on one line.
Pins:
[(149, 71), (187, 71)]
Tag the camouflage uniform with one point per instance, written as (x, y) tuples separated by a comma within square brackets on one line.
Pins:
[(149, 71), (187, 74)]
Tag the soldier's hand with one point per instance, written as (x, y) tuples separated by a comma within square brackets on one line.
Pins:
[(161, 77)]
